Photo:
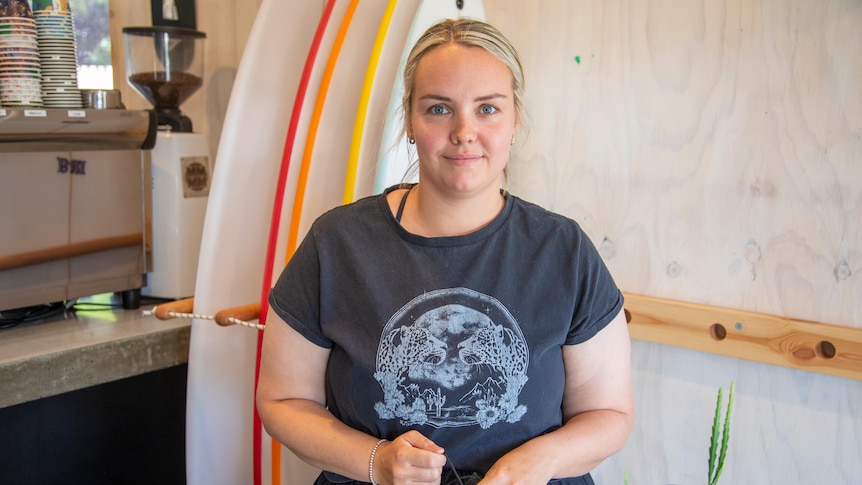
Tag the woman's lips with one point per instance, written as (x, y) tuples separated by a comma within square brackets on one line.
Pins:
[(463, 158)]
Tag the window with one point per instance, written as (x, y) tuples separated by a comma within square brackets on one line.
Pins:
[(93, 41)]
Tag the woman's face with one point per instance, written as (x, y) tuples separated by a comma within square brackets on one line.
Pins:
[(463, 120)]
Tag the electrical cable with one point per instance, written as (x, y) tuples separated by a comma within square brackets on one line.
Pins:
[(17, 316)]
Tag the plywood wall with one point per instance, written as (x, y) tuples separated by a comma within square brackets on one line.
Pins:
[(713, 152), (711, 149)]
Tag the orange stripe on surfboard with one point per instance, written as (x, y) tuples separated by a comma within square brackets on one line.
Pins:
[(293, 235), (276, 462)]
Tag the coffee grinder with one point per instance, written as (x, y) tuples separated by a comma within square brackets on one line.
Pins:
[(164, 64)]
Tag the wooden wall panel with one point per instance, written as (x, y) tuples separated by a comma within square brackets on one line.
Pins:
[(711, 151), (710, 148)]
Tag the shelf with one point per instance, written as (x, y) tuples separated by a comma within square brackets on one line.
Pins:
[(39, 130)]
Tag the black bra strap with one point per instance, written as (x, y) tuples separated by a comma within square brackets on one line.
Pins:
[(402, 204)]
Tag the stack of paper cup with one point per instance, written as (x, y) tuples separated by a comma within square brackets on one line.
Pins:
[(57, 53), (20, 80)]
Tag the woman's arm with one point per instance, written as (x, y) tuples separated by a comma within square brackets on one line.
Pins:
[(291, 397), (598, 412)]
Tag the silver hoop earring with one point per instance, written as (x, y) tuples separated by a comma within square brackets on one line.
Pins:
[(513, 140)]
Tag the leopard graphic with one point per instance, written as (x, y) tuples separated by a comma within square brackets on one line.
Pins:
[(497, 347), (402, 352), (407, 346), (502, 350)]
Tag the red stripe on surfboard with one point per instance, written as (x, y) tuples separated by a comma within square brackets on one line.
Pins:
[(306, 162), (276, 219)]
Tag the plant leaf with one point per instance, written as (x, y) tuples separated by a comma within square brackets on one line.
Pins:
[(713, 444), (725, 435)]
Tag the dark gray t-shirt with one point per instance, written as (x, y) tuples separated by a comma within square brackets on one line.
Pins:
[(457, 337)]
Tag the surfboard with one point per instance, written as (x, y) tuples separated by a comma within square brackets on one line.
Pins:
[(316, 167), (238, 223), (394, 157), (285, 185), (270, 463), (298, 224), (376, 75), (220, 393)]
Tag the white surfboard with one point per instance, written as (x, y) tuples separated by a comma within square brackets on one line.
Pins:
[(279, 464), (220, 395), (316, 156), (230, 270), (294, 146), (297, 189), (394, 158)]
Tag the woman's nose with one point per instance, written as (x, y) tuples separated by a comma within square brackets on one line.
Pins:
[(464, 130)]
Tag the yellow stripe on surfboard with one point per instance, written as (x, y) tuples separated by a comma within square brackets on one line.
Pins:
[(364, 98)]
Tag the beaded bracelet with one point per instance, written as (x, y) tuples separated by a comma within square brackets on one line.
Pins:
[(371, 462)]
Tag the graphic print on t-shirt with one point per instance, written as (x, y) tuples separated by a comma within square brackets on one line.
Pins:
[(452, 357)]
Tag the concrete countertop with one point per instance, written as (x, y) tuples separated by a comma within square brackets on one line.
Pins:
[(80, 349)]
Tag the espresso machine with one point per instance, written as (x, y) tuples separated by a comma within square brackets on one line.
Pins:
[(164, 64)]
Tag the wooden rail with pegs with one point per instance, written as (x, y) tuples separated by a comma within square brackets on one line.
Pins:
[(817, 347)]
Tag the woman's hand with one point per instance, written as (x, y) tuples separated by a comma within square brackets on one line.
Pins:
[(291, 397), (409, 458), (518, 467)]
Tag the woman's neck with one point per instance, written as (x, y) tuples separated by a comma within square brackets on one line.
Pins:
[(428, 214)]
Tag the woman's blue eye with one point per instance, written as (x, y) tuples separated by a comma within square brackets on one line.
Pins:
[(438, 110), (487, 109)]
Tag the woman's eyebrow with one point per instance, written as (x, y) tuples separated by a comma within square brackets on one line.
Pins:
[(437, 97), (491, 96)]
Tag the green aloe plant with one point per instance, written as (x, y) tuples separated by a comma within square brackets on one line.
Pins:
[(720, 431), (716, 463)]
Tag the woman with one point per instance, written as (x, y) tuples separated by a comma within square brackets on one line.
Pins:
[(449, 325)]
